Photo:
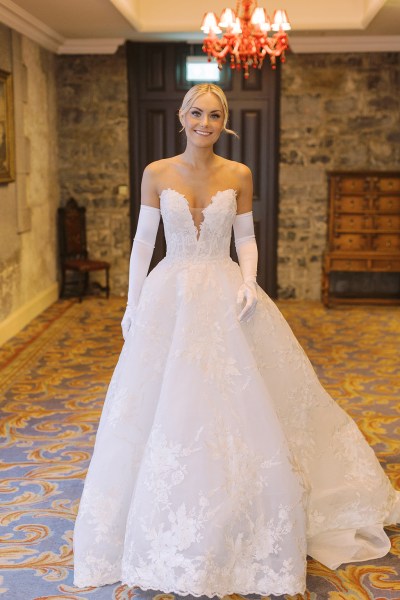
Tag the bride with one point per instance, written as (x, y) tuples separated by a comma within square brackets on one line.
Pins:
[(220, 461)]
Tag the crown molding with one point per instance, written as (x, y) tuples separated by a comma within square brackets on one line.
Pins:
[(371, 10), (90, 46), (129, 10), (331, 44), (23, 22)]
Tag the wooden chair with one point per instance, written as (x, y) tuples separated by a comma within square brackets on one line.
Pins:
[(73, 250)]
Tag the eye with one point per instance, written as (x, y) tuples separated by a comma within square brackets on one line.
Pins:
[(195, 113), (215, 116)]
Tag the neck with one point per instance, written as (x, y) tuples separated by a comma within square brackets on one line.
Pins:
[(199, 158)]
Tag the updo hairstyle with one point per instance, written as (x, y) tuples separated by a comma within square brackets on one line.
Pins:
[(198, 90)]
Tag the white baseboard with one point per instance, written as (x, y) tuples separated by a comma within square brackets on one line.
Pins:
[(24, 314)]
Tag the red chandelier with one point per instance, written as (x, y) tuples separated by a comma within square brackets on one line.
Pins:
[(246, 36)]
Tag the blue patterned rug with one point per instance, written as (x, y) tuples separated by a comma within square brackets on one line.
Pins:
[(53, 379)]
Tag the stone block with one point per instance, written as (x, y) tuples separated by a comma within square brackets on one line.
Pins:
[(341, 105)]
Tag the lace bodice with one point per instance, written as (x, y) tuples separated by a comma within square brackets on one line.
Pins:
[(211, 240)]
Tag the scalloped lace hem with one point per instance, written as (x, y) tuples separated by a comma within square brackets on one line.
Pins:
[(167, 590)]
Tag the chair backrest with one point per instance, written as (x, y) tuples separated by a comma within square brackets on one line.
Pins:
[(72, 230)]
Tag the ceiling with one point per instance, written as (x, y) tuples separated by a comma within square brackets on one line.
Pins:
[(100, 26)]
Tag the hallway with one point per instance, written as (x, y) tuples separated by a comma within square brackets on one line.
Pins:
[(53, 378)]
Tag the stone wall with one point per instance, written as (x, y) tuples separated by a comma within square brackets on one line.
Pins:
[(28, 263), (94, 157), (338, 111)]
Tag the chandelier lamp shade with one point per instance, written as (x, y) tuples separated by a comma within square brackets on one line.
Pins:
[(245, 36)]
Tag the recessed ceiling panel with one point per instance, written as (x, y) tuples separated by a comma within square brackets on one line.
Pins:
[(79, 18)]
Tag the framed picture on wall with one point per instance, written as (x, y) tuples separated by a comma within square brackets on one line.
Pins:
[(7, 141)]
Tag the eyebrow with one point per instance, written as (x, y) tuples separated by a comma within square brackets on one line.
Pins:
[(201, 110)]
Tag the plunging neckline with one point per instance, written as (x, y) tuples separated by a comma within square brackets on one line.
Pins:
[(198, 230)]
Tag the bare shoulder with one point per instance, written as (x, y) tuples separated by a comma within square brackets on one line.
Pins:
[(244, 174), (243, 178), (152, 176), (155, 169), (238, 171)]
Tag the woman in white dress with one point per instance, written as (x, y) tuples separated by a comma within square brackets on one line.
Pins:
[(220, 462)]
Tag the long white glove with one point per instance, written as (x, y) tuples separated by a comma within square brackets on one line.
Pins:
[(246, 248), (142, 251)]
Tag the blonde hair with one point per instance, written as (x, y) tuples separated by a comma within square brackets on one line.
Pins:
[(198, 90)]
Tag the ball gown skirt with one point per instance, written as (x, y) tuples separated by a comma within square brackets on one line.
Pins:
[(220, 461)]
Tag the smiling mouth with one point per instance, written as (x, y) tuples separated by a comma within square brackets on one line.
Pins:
[(203, 133)]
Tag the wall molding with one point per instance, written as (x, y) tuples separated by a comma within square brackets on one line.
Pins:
[(344, 43), (22, 146), (90, 46), (24, 314), (22, 21)]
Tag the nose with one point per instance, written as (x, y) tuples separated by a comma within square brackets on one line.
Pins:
[(204, 120)]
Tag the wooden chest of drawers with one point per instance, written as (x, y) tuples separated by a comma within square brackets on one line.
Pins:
[(363, 229)]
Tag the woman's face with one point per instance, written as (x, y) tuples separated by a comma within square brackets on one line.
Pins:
[(204, 120)]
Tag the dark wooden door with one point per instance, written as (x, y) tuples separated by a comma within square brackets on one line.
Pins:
[(157, 84)]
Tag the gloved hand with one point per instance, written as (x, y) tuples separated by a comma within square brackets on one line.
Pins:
[(248, 292), (142, 251), (246, 248), (128, 320)]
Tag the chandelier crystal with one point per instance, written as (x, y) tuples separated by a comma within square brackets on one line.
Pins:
[(245, 36)]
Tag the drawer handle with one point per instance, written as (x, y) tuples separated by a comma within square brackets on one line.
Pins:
[(389, 243)]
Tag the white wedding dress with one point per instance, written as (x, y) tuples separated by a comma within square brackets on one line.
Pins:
[(220, 461)]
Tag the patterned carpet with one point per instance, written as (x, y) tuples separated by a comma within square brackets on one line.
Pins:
[(53, 378)]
